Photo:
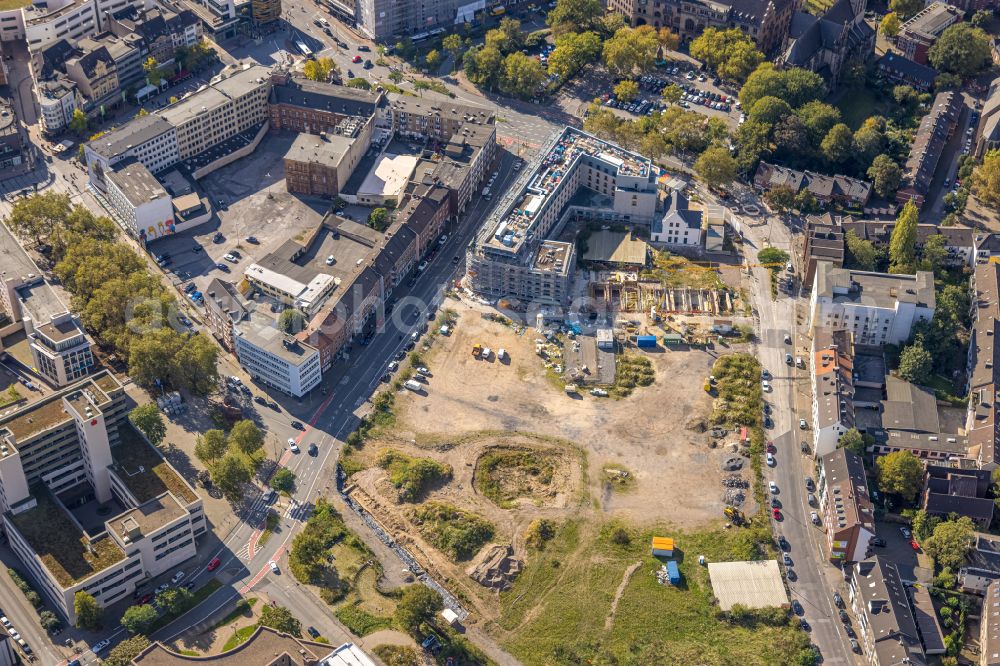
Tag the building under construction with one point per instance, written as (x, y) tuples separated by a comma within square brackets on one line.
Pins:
[(628, 292), (265, 11)]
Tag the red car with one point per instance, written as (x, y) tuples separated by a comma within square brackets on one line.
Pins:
[(771, 448), (914, 545), (776, 514), (214, 564), (356, 59), (145, 599)]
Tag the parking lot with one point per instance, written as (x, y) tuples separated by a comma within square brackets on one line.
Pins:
[(700, 94), (250, 201)]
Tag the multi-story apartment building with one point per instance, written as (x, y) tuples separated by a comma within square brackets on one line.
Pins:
[(832, 381), (225, 307), (877, 308), (983, 420), (959, 242), (72, 449), (276, 359), (301, 105), (918, 35), (842, 190), (681, 225), (320, 165), (824, 236), (96, 76), (161, 30), (928, 145), (16, 151), (847, 511), (887, 630), (511, 257), (57, 98), (126, 51), (765, 21), (989, 626)]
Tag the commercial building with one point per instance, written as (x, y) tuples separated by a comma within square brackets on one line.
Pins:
[(765, 21), (57, 100), (958, 490), (847, 511), (16, 151), (513, 255), (275, 358), (832, 381), (887, 629), (60, 349), (932, 135), (825, 44), (319, 165), (918, 35), (64, 455), (225, 307), (310, 107), (842, 190), (877, 308), (146, 210)]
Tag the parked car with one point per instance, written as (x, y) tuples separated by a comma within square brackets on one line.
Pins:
[(844, 617), (837, 599), (177, 577), (905, 532), (877, 542), (297, 425), (773, 487), (313, 632), (787, 559), (292, 446), (771, 462), (776, 514), (214, 564)]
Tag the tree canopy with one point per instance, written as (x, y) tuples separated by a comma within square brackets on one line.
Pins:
[(574, 16), (916, 363), (794, 85), (950, 542), (281, 619), (962, 49), (730, 53), (137, 619), (716, 166), (573, 51), (885, 174), (88, 611), (900, 473), (631, 51), (149, 421), (903, 242), (986, 179), (127, 650), (417, 604)]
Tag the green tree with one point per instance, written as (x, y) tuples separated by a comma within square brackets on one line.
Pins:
[(981, 19), (433, 59), (149, 421), (283, 480), (137, 619), (861, 253), (961, 49), (320, 69), (153, 74), (291, 321), (452, 44), (923, 524), (730, 53), (772, 257), (986, 179), (523, 75), (484, 66), (49, 621), (229, 473), (900, 473), (195, 366), (395, 77), (885, 175), (903, 242), (574, 16), (794, 85), (631, 51), (127, 650), (806, 203), (869, 138), (78, 123), (890, 25), (905, 9), (246, 437), (417, 604), (379, 219), (573, 51), (716, 167), (672, 93), (950, 542), (88, 611), (280, 619), (947, 81), (781, 198), (838, 144), (174, 600), (507, 38), (819, 118), (626, 90), (769, 110), (754, 142), (934, 253), (916, 363), (853, 441), (39, 216)]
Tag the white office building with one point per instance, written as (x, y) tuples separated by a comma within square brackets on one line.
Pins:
[(877, 308), (277, 359)]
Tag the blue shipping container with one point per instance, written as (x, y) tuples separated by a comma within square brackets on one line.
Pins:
[(673, 573), (645, 341)]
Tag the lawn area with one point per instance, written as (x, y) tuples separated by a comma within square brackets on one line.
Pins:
[(558, 609), (13, 4), (156, 477), (198, 596), (239, 637), (817, 7), (673, 270), (857, 105)]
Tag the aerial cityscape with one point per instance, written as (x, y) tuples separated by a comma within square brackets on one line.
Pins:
[(488, 333)]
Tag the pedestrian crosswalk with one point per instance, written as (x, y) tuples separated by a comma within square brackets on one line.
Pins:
[(244, 552)]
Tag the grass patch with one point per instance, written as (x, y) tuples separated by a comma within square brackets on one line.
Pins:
[(198, 596), (457, 533), (13, 4), (270, 524), (505, 475), (737, 391), (244, 608), (412, 477), (631, 370), (817, 7), (618, 477), (360, 621), (398, 655), (10, 396), (860, 104), (557, 609), (189, 653), (239, 637), (673, 270)]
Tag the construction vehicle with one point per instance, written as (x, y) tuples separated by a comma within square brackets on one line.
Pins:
[(736, 516), (477, 349)]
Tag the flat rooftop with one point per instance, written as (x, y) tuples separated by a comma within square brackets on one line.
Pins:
[(262, 332), (616, 247), (932, 20), (60, 544), (755, 584), (880, 290), (513, 225), (137, 184), (144, 471), (40, 301), (14, 260), (148, 516), (264, 647), (553, 256), (389, 175), (60, 331), (137, 131), (327, 150)]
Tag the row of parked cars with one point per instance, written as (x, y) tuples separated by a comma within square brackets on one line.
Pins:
[(21, 643)]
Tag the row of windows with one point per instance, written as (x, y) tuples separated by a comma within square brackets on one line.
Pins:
[(184, 544)]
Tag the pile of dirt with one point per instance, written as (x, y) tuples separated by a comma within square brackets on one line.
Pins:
[(496, 567)]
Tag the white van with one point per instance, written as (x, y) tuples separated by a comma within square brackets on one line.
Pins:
[(799, 363)]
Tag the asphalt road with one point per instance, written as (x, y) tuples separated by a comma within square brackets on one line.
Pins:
[(776, 318)]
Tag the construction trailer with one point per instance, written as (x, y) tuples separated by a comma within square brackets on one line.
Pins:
[(663, 546), (673, 573), (645, 341)]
